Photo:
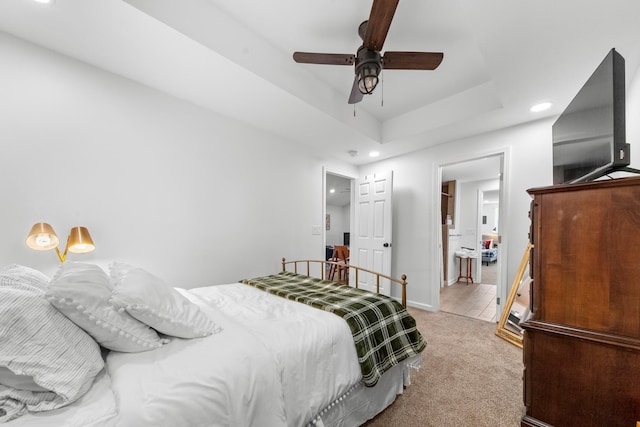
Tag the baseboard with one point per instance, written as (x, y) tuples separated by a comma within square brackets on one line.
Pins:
[(421, 306)]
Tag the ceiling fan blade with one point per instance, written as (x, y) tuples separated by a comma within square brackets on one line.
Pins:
[(324, 58), (411, 60), (379, 22), (356, 95)]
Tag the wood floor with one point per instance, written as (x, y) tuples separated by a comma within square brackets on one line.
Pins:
[(476, 300)]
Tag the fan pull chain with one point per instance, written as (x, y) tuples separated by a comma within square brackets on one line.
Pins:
[(354, 110), (382, 89)]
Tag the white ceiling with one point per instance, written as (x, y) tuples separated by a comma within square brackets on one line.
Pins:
[(341, 194), (234, 57)]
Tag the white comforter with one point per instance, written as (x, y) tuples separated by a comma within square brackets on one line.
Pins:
[(276, 363)]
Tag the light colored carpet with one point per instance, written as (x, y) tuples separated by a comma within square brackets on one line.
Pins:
[(469, 378)]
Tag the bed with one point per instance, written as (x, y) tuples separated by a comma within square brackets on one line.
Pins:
[(266, 352), (489, 252)]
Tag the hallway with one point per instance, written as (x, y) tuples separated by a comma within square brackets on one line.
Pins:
[(476, 300)]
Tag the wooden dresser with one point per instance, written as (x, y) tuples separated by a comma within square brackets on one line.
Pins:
[(582, 344)]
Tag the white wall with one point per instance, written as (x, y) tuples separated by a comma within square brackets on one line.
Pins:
[(633, 114), (453, 267), (467, 222), (490, 211), (190, 195), (339, 224)]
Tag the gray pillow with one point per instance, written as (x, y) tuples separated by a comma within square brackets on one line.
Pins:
[(38, 342)]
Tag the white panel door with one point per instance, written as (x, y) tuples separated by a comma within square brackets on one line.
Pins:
[(372, 248)]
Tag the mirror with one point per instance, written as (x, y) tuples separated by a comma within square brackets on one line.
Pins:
[(516, 308)]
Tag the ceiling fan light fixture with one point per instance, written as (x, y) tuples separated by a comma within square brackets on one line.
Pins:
[(367, 80), (368, 61), (367, 70)]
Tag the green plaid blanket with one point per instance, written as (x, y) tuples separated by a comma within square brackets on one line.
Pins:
[(383, 331)]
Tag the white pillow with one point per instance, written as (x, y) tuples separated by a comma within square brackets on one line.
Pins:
[(152, 301), (81, 292), (39, 344)]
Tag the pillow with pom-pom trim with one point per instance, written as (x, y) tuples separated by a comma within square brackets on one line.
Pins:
[(152, 301), (81, 292)]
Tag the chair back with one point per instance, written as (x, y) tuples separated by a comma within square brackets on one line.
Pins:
[(340, 253)]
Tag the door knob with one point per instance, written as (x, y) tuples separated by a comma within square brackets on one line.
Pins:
[(387, 245)]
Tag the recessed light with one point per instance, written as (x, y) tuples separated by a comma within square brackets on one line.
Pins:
[(540, 107), (374, 154), (44, 1)]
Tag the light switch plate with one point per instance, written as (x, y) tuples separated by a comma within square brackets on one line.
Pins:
[(316, 230)]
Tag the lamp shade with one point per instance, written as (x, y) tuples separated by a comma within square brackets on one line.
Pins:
[(80, 241), (42, 237)]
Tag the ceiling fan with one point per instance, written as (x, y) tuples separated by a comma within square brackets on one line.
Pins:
[(368, 61)]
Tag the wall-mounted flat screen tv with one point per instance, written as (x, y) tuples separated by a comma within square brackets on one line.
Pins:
[(589, 139)]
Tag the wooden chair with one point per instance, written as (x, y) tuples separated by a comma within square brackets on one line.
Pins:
[(341, 257)]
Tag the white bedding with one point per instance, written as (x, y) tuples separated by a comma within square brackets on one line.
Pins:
[(270, 366), (276, 363), (97, 408)]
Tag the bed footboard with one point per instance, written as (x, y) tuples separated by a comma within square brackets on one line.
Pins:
[(323, 264)]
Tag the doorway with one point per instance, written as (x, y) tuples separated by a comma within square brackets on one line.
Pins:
[(338, 212), (490, 215), (471, 277)]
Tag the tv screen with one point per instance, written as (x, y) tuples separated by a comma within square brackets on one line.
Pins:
[(589, 138)]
